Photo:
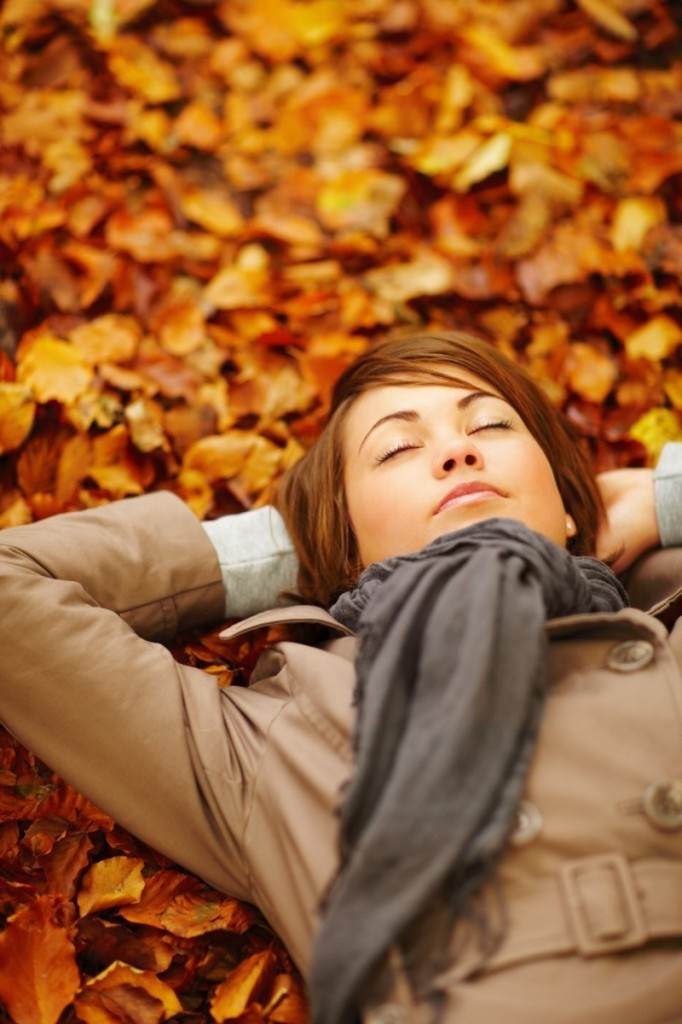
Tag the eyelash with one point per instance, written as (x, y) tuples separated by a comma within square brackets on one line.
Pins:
[(404, 446)]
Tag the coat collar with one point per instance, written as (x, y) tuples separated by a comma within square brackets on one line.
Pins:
[(309, 614), (654, 584)]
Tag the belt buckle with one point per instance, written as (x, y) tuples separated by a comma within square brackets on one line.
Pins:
[(602, 879)]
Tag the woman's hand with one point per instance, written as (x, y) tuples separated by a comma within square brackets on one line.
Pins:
[(630, 527)]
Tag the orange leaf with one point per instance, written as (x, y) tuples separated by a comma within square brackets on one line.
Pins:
[(111, 883), (213, 210), (236, 287), (38, 972), (590, 373), (73, 467), (287, 1003), (147, 236), (657, 339), (137, 67), (243, 986), (360, 201), (107, 339), (220, 456), (186, 907)]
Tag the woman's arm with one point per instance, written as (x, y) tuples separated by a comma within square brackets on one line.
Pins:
[(113, 713), (644, 509)]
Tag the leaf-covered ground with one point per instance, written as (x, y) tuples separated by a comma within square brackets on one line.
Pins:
[(206, 209)]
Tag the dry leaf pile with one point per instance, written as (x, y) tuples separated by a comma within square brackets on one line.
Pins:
[(206, 210)]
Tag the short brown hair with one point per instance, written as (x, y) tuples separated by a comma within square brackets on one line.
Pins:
[(311, 495)]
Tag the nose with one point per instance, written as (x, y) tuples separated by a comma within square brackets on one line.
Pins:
[(456, 453)]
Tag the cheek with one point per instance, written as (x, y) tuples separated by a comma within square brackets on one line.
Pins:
[(547, 503)]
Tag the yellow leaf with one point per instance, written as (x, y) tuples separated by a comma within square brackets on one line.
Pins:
[(632, 220), (443, 155), (137, 68), (493, 155), (118, 481), (17, 412), (316, 22), (360, 201), (53, 369), (520, 63), (16, 513), (111, 883), (145, 421), (609, 18), (655, 428), (427, 275), (213, 210), (655, 340)]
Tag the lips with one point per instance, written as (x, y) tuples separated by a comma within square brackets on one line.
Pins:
[(468, 493)]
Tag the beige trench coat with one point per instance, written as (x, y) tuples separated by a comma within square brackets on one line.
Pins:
[(241, 786)]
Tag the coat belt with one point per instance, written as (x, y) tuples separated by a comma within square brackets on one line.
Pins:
[(593, 906)]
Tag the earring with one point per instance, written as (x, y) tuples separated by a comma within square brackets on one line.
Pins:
[(571, 528)]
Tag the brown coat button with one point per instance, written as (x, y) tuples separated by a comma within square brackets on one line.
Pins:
[(527, 823), (630, 655), (662, 803)]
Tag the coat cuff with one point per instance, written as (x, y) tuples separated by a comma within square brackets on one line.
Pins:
[(668, 495), (257, 560)]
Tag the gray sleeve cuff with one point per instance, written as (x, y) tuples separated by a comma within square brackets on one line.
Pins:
[(668, 495), (257, 560)]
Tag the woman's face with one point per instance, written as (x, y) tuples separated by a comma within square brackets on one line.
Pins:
[(423, 460)]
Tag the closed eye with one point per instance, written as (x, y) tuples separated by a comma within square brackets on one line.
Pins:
[(492, 425), (395, 449)]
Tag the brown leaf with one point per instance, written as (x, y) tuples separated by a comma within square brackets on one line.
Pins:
[(122, 992), (38, 972), (185, 906), (64, 864)]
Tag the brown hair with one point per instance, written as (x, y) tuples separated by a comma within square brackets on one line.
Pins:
[(311, 495)]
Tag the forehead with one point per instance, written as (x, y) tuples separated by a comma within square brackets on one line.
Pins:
[(419, 396)]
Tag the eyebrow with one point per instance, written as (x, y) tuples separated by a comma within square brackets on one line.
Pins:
[(412, 416)]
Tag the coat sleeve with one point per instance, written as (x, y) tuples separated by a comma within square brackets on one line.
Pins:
[(85, 598)]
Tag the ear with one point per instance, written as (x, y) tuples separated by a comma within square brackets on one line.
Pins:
[(571, 528)]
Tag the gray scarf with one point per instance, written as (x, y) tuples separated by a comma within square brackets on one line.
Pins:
[(452, 675)]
